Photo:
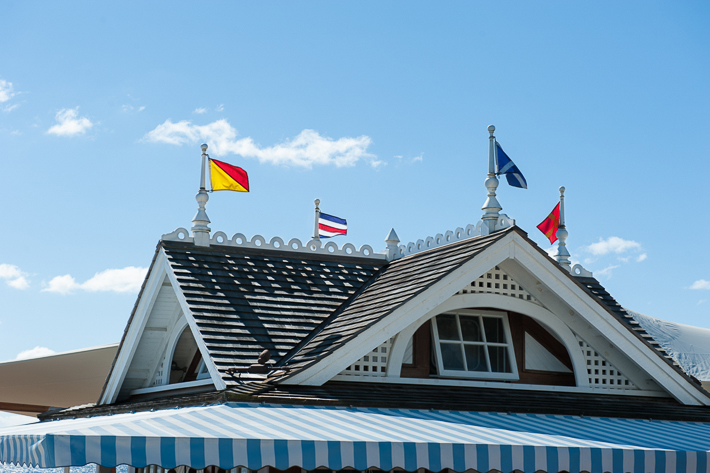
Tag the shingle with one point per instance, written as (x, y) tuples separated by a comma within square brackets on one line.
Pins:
[(245, 301), (393, 286)]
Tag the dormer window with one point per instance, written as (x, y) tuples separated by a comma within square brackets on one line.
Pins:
[(474, 344)]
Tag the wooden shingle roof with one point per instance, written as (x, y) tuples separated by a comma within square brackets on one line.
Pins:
[(392, 287), (245, 301)]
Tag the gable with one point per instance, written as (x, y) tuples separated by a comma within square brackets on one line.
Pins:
[(582, 322), (541, 357), (149, 357), (143, 364)]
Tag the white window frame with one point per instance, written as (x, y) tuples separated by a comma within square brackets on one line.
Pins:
[(512, 376)]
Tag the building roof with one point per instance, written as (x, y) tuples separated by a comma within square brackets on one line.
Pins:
[(415, 396), (34, 385), (305, 307), (245, 301), (395, 284)]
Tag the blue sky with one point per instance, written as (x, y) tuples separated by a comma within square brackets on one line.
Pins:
[(379, 109)]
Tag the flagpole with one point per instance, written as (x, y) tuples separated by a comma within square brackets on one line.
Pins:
[(562, 255), (316, 233), (204, 162), (200, 224), (491, 206)]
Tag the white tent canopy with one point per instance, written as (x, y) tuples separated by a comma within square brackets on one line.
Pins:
[(689, 346)]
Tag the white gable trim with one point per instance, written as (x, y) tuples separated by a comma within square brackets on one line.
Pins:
[(160, 272), (540, 276), (177, 330), (474, 301), (214, 373), (561, 295), (164, 344), (135, 330)]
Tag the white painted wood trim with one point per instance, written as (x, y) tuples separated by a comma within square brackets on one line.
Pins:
[(214, 373), (400, 318), (162, 350), (177, 330), (547, 319), (171, 387), (497, 385), (579, 301), (130, 343)]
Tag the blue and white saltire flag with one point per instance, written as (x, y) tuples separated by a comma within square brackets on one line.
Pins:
[(506, 166), (330, 226)]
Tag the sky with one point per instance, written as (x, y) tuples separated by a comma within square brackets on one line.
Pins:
[(379, 109)]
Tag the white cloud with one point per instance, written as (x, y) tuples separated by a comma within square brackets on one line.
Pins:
[(220, 108), (701, 284), (641, 257), (418, 159), (35, 352), (200, 111), (62, 284), (19, 283), (308, 148), (376, 163), (69, 123), (13, 276), (131, 108), (606, 272), (613, 245), (10, 108), (128, 279), (6, 92), (9, 271)]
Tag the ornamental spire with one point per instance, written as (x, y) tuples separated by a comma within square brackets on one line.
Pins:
[(562, 254), (491, 207), (200, 224), (316, 233)]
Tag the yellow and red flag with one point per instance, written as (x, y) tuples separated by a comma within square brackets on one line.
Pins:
[(550, 225), (225, 177)]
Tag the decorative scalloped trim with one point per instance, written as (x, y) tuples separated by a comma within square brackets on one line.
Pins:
[(459, 234), (179, 234), (276, 243), (578, 270)]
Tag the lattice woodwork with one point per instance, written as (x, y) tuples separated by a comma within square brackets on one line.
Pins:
[(496, 281), (372, 364), (603, 374)]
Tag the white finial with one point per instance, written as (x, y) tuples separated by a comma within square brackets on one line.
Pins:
[(200, 224), (491, 207), (392, 241), (562, 255), (316, 233)]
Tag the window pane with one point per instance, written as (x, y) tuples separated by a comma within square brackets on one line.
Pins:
[(476, 358), (499, 359), (448, 330), (470, 328), (494, 329), (451, 356)]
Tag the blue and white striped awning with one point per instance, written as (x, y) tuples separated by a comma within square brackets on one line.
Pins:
[(255, 436)]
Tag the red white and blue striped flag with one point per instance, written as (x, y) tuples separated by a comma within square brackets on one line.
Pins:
[(330, 226)]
